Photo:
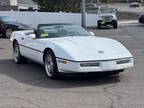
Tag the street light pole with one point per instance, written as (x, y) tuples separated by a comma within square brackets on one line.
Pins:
[(83, 13), (98, 3)]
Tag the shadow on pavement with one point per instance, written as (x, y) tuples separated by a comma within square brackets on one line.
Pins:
[(34, 74), (139, 25)]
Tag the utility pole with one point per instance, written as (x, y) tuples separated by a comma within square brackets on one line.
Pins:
[(98, 3), (83, 13)]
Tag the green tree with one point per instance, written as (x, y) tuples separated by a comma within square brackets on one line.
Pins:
[(59, 5)]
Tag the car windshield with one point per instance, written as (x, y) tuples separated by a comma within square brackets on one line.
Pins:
[(7, 19), (53, 31), (107, 10)]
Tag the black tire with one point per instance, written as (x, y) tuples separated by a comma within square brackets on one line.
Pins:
[(115, 24), (18, 58), (141, 19), (8, 32), (51, 65), (99, 25)]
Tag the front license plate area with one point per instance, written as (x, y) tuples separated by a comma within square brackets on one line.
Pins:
[(103, 22), (108, 65)]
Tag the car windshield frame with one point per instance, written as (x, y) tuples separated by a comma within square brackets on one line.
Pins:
[(107, 10), (60, 30)]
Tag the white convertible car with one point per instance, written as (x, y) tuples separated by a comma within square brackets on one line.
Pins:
[(68, 48)]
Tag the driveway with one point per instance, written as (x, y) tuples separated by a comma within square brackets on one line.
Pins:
[(27, 86)]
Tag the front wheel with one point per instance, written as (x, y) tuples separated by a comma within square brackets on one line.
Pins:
[(51, 65), (18, 58)]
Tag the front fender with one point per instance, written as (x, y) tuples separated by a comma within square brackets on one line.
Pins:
[(59, 51)]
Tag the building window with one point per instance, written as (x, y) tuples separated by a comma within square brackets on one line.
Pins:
[(4, 3)]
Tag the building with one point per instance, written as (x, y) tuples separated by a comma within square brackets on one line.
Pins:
[(16, 5)]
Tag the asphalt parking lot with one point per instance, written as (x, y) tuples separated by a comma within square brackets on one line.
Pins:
[(27, 86)]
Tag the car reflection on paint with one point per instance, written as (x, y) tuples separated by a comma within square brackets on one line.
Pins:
[(8, 25)]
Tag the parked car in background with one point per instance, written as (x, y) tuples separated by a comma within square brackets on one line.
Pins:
[(134, 4), (8, 25), (91, 5), (141, 18), (91, 8), (107, 16), (68, 48)]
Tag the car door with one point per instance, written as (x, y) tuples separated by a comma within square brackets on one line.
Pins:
[(32, 48)]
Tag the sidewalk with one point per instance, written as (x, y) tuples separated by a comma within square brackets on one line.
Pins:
[(127, 22)]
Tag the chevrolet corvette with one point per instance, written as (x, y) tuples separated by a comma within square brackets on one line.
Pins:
[(68, 48)]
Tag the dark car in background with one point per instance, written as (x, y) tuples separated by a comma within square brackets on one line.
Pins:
[(8, 25), (141, 18)]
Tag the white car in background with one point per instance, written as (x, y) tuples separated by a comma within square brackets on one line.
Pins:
[(107, 16), (68, 48)]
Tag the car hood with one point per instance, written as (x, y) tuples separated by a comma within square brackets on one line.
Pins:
[(89, 48)]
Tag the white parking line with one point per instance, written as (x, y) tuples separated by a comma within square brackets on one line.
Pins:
[(125, 22)]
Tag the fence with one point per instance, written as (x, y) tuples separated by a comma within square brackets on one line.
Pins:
[(34, 18)]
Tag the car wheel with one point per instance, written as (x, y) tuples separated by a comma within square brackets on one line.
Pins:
[(18, 58), (51, 65), (8, 32), (141, 19), (115, 24), (99, 25)]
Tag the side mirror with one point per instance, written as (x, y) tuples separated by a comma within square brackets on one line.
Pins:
[(32, 36), (92, 33)]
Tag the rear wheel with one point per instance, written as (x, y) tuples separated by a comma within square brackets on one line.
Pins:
[(8, 32), (18, 58), (115, 24), (51, 65), (99, 25)]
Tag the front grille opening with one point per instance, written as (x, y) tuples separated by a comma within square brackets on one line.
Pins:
[(89, 64)]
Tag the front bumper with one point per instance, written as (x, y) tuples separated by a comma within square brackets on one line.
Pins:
[(102, 22), (105, 65)]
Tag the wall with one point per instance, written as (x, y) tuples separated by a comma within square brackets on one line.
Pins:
[(34, 18)]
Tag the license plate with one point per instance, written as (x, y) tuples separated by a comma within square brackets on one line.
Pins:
[(108, 65), (103, 22)]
